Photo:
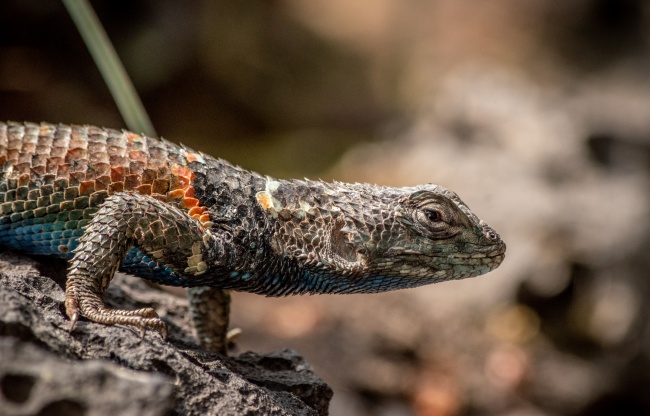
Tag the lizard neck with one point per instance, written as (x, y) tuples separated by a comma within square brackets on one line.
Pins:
[(228, 193)]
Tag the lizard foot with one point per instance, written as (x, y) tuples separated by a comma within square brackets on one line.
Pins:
[(92, 307)]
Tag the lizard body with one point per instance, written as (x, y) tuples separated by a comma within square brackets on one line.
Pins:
[(106, 199)]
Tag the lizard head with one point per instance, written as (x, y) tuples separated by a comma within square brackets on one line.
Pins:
[(364, 238), (393, 238)]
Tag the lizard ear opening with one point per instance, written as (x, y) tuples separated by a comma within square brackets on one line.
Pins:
[(342, 250)]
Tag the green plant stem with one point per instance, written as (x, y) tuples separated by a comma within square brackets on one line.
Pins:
[(110, 66)]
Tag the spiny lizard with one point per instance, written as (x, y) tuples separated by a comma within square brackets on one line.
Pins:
[(108, 199)]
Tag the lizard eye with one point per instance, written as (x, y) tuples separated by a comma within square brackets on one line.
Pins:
[(433, 222), (432, 215)]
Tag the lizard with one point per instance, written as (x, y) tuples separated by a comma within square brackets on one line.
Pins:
[(106, 199)]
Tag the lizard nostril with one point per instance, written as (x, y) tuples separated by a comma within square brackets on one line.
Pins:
[(490, 234)]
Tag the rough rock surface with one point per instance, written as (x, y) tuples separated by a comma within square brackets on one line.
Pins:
[(102, 370)]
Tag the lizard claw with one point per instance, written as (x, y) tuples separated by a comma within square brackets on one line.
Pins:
[(232, 335), (154, 323), (147, 313), (73, 321)]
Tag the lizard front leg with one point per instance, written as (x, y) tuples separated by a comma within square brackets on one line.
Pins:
[(165, 233)]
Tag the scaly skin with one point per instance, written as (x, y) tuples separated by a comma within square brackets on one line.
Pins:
[(107, 199)]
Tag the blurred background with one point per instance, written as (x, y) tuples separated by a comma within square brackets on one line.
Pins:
[(537, 113)]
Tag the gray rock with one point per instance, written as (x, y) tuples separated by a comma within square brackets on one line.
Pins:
[(110, 370)]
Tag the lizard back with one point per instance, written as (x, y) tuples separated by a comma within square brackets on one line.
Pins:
[(54, 178)]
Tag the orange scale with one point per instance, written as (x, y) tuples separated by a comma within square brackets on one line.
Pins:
[(102, 182), (183, 181), (144, 189), (176, 194), (183, 171), (196, 211), (86, 187), (160, 186), (63, 170), (189, 202), (131, 182), (76, 153), (23, 179), (148, 176), (118, 173), (115, 187)]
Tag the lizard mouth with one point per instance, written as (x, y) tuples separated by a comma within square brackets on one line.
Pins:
[(467, 251), (482, 252), (467, 261), (500, 250)]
